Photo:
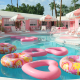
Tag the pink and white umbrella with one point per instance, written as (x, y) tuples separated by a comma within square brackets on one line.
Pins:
[(77, 12), (17, 17), (74, 14), (48, 18)]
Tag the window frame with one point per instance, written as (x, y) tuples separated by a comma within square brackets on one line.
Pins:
[(34, 22)]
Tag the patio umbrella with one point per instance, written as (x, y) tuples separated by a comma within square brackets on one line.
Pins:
[(77, 12), (17, 17), (73, 14), (48, 18)]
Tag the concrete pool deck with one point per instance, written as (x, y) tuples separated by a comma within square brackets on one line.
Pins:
[(4, 78), (68, 40)]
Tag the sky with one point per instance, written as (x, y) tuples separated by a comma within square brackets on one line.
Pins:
[(45, 3)]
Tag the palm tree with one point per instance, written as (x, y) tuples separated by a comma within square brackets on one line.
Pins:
[(74, 2), (17, 4), (11, 4), (52, 6), (60, 12), (55, 11), (55, 8)]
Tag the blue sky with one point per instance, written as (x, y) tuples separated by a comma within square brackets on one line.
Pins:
[(45, 3)]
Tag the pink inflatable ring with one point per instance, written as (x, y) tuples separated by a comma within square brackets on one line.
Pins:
[(58, 51), (54, 73), (28, 39), (37, 52), (35, 38), (71, 64)]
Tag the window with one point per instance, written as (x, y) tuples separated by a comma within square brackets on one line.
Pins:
[(33, 22), (44, 23), (8, 23), (79, 23)]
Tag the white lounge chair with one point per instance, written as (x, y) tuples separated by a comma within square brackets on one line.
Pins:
[(72, 32), (14, 30), (77, 33), (23, 29), (53, 28), (43, 28)]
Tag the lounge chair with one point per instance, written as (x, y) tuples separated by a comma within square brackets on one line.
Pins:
[(72, 32), (23, 29), (53, 29), (14, 30), (43, 28), (77, 33)]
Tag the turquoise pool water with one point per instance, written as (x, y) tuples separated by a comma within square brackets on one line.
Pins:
[(44, 41)]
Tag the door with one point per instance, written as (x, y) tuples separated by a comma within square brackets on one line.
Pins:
[(67, 25), (52, 23)]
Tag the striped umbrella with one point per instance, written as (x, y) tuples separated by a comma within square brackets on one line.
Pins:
[(17, 17)]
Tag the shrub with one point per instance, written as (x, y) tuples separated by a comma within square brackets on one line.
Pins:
[(58, 24), (3, 29)]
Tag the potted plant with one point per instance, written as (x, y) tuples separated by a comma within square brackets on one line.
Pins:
[(18, 25)]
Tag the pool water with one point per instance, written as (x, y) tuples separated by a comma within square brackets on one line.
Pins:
[(44, 41)]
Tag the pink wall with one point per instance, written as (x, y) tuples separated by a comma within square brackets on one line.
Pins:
[(27, 24), (76, 23)]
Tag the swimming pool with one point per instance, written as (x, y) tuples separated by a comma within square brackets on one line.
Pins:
[(44, 41)]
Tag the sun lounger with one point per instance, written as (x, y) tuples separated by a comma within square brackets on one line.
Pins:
[(53, 28), (72, 32), (77, 33), (23, 29), (14, 30), (43, 28)]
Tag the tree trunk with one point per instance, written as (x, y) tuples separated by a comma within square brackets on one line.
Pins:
[(17, 4), (74, 6), (55, 7), (55, 11), (52, 12), (60, 12), (11, 4)]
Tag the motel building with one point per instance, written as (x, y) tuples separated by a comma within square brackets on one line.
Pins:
[(32, 21)]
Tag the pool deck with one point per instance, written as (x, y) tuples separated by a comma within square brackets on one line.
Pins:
[(4, 78), (68, 40)]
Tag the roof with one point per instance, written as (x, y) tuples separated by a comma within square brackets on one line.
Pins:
[(9, 14), (63, 18)]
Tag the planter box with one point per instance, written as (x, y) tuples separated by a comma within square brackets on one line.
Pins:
[(61, 28)]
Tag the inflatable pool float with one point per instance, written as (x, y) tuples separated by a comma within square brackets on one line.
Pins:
[(18, 37), (35, 38), (37, 52), (15, 60), (54, 71), (58, 51), (28, 39), (71, 64), (6, 48)]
